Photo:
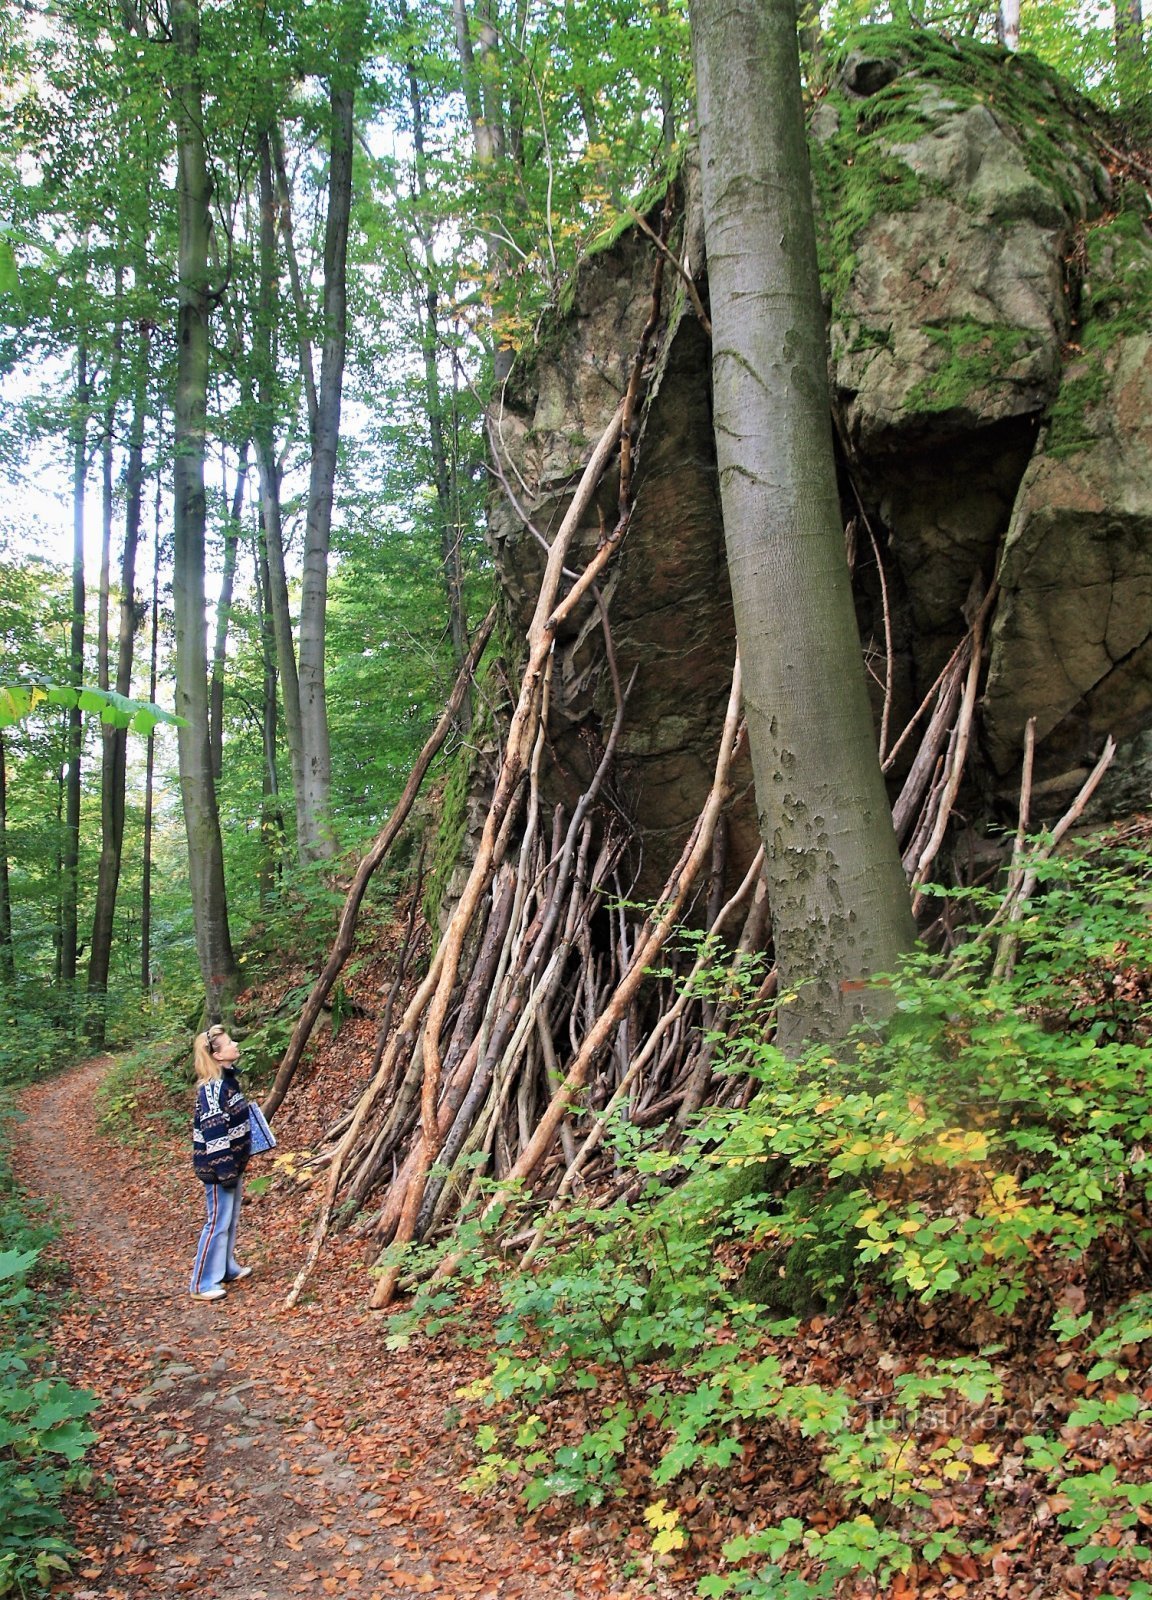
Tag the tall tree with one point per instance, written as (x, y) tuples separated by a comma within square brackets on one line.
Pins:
[(70, 852), (224, 614), (266, 411), (114, 741), (190, 404), (7, 950), (318, 840), (840, 909), (444, 472)]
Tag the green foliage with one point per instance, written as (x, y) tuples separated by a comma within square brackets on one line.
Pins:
[(1115, 302), (20, 700), (44, 1434), (986, 1149)]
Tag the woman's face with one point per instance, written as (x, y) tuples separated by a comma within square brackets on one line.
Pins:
[(224, 1048)]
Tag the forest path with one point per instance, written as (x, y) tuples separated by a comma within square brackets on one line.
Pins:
[(254, 1453)]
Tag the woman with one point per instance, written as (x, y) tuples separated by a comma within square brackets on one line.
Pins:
[(221, 1144)]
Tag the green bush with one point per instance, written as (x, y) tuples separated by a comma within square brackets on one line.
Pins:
[(989, 1148), (44, 1436)]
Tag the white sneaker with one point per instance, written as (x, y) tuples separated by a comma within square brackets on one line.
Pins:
[(210, 1294), (241, 1272)]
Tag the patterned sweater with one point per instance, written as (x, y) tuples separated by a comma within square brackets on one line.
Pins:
[(221, 1139)]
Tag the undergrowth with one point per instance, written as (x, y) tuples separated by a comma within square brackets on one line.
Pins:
[(973, 1188), (44, 1435)]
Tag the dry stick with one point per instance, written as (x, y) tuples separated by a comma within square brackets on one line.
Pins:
[(497, 1064), (476, 994), (1006, 950), (641, 1059), (928, 813), (693, 293), (945, 671), (889, 656), (1017, 874), (675, 893), (609, 1012), (521, 737), (631, 398), (415, 1009), (920, 773), (346, 931), (957, 759)]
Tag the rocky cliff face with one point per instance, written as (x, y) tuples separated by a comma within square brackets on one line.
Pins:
[(989, 293)]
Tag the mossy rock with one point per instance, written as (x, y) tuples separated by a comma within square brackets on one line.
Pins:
[(808, 1278)]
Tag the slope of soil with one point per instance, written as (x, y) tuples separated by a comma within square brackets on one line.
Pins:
[(248, 1453)]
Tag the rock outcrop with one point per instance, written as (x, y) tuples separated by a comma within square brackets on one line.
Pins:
[(989, 289)]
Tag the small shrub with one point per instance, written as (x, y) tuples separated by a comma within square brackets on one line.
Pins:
[(44, 1435), (986, 1151)]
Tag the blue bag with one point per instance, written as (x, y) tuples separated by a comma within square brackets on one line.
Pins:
[(263, 1138)]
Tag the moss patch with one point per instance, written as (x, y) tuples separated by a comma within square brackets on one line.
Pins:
[(858, 176), (1116, 302), (974, 355)]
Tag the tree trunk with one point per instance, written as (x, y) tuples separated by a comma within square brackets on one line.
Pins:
[(224, 617), (201, 819), (114, 741), (7, 950), (271, 144), (1008, 24), (271, 814), (317, 840), (480, 80), (1131, 63), (447, 490), (839, 899), (146, 985), (70, 855), (263, 435)]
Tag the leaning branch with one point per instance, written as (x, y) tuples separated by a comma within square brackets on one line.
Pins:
[(346, 931)]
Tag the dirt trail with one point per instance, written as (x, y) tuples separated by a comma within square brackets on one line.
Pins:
[(254, 1454)]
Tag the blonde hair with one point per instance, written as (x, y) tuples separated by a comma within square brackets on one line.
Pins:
[(206, 1064)]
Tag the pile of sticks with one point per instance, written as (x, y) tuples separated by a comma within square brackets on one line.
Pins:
[(540, 1018), (550, 1022)]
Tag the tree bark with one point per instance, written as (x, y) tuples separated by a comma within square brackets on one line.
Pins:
[(1131, 63), (150, 759), (114, 741), (444, 474), (224, 617), (268, 465), (70, 854), (1008, 24), (271, 814), (7, 949), (201, 819), (317, 840), (840, 908)]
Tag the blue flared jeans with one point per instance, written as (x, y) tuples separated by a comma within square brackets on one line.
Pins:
[(216, 1253)]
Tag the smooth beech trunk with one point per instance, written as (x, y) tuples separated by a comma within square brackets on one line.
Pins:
[(224, 617), (839, 899), (114, 741), (444, 471), (317, 840), (268, 465), (201, 819), (1008, 24), (70, 853), (271, 813), (7, 949), (146, 973)]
